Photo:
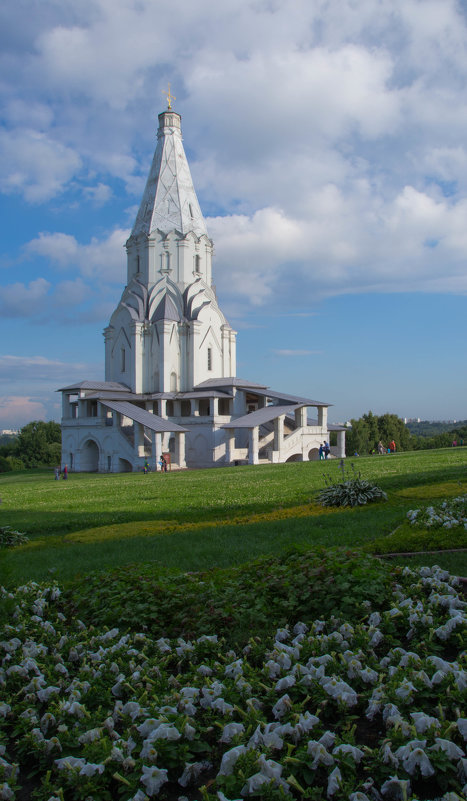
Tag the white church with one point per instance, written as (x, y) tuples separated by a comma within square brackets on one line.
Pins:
[(170, 355)]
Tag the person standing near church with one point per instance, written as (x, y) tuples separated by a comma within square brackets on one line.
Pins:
[(65, 472)]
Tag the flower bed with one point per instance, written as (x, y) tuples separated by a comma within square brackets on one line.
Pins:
[(325, 709), (451, 513)]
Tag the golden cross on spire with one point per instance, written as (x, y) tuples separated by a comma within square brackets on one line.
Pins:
[(170, 97)]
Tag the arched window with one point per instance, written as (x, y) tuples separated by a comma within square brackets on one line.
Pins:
[(122, 360), (197, 264), (209, 358)]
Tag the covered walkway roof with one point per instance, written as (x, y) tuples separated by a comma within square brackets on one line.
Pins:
[(152, 421)]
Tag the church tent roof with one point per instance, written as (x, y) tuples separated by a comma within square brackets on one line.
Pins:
[(152, 421)]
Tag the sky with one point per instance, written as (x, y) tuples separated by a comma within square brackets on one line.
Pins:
[(327, 145)]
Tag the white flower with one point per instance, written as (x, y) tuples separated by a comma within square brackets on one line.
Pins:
[(462, 726), (192, 771), (423, 722), (234, 669), (166, 731), (229, 759), (90, 768), (358, 796), (418, 759), (395, 788), (153, 778), (341, 691), (219, 705), (90, 736), (231, 730), (285, 683), (334, 782), (319, 753), (405, 690), (132, 709), (388, 757), (6, 793), (352, 750), (148, 726), (70, 763), (281, 706), (451, 749)]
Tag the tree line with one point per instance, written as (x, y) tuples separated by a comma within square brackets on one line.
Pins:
[(370, 429)]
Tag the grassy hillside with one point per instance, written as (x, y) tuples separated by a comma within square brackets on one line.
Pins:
[(210, 518)]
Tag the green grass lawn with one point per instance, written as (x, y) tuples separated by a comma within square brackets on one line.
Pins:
[(201, 519)]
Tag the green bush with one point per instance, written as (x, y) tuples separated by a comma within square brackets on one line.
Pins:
[(5, 465)]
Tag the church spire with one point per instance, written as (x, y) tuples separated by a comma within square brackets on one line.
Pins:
[(169, 201)]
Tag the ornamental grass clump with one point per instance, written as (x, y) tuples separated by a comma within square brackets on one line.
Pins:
[(9, 538), (355, 491)]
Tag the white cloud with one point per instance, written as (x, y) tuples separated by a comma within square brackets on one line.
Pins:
[(34, 164), (102, 259), (19, 300), (16, 411)]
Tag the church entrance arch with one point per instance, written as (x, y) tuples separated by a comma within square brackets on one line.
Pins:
[(313, 455), (296, 457), (90, 457), (124, 466)]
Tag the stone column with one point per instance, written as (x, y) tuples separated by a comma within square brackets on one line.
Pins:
[(180, 449), (341, 444), (229, 445), (278, 437), (323, 418), (300, 417), (138, 438), (253, 445)]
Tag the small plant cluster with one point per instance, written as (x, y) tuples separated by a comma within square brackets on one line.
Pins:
[(450, 513), (9, 538), (323, 710), (237, 602), (355, 491)]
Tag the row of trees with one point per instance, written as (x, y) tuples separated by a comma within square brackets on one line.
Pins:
[(370, 429), (37, 444)]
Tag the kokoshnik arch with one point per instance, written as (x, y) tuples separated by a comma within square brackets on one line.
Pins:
[(170, 354)]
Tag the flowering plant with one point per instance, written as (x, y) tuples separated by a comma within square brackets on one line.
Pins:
[(324, 709), (450, 513)]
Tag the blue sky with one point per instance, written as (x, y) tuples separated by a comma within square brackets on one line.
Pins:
[(327, 146)]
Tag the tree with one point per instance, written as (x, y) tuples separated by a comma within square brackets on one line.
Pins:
[(39, 443), (370, 429)]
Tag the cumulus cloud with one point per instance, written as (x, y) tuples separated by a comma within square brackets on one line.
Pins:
[(20, 300), (102, 259), (16, 411), (34, 164)]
